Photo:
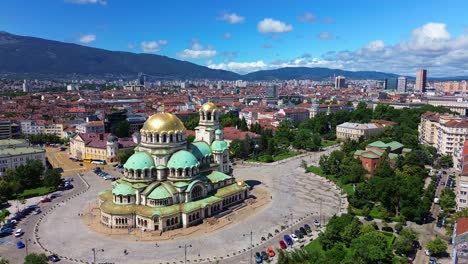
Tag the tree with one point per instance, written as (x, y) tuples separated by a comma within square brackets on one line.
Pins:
[(35, 258), (404, 242), (437, 246), (122, 129), (124, 155), (236, 148), (446, 161), (192, 122), (52, 178), (370, 248), (447, 200), (4, 213), (4, 261)]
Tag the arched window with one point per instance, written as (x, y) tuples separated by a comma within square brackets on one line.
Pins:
[(168, 222), (203, 115), (171, 138), (190, 218), (197, 192), (172, 221), (164, 138), (176, 219), (157, 138), (187, 172), (208, 116)]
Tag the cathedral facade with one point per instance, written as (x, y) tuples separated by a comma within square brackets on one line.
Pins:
[(169, 183)]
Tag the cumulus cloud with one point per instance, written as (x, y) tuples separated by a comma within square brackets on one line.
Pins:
[(325, 36), (227, 35), (86, 39), (269, 25), (197, 51), (82, 2), (307, 17), (232, 18), (152, 46)]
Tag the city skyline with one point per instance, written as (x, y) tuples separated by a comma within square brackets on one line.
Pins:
[(245, 38)]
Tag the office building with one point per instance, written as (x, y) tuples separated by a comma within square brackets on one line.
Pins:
[(340, 82), (391, 84), (355, 131), (401, 86), (272, 91), (14, 153), (421, 78), (5, 129), (26, 87)]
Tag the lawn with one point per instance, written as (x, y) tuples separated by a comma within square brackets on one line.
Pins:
[(40, 191), (314, 246), (269, 158), (348, 188), (327, 143)]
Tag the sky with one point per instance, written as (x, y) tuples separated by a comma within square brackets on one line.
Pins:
[(397, 36)]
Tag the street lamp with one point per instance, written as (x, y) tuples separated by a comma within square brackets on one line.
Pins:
[(185, 251), (94, 250), (251, 244)]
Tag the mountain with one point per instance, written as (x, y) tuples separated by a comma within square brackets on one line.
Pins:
[(314, 74), (30, 57)]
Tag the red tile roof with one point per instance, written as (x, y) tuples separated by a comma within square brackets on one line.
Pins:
[(462, 225)]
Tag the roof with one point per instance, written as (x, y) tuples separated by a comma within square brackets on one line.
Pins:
[(462, 225), (182, 159), (406, 150), (394, 145), (219, 146), (370, 155), (12, 142), (139, 161), (378, 144), (217, 176), (200, 149), (20, 151), (230, 189), (159, 193), (358, 152), (163, 122), (123, 189)]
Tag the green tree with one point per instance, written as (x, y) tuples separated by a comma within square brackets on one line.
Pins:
[(4, 261), (192, 122), (404, 242), (35, 258), (52, 178), (235, 148), (124, 155), (122, 129), (370, 248), (447, 200), (446, 161), (437, 246), (4, 213)]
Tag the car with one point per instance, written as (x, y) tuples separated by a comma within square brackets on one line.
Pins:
[(19, 232), (316, 222), (45, 200), (53, 258), (6, 230), (20, 244), (264, 255), (432, 260), (427, 252), (282, 244), (107, 177), (307, 227), (387, 229), (294, 238), (416, 244), (258, 257), (442, 183), (37, 211), (270, 252), (303, 231), (288, 239)]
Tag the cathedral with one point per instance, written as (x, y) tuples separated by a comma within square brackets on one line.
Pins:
[(170, 183)]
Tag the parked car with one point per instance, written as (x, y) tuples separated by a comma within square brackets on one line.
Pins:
[(427, 252), (270, 252), (37, 211), (307, 227), (432, 260), (45, 200), (20, 245), (387, 229), (53, 258), (264, 255), (303, 231), (316, 222), (288, 239), (294, 238), (258, 257), (19, 232), (282, 244)]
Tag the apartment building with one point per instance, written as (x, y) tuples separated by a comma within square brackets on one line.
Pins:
[(96, 127), (55, 129), (461, 186), (354, 131), (447, 133), (31, 127), (14, 153), (5, 129)]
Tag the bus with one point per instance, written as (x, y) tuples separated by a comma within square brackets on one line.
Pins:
[(100, 162), (87, 160)]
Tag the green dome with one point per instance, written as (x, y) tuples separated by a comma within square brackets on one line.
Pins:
[(182, 159), (159, 193), (219, 145), (123, 189), (200, 149), (139, 161), (218, 132)]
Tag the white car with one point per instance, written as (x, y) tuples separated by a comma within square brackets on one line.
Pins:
[(294, 238), (19, 232), (427, 252), (316, 222), (36, 212)]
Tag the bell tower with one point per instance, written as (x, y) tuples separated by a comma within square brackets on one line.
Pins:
[(209, 122)]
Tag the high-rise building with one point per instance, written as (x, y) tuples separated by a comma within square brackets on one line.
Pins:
[(25, 87), (5, 129), (421, 77), (272, 91), (401, 84), (340, 82), (392, 84)]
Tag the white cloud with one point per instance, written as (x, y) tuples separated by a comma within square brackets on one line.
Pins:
[(325, 36), (82, 2), (131, 45), (307, 17), (232, 18), (227, 35), (197, 51), (86, 39), (376, 45), (269, 25), (152, 46)]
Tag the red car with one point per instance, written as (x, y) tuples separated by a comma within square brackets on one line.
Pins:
[(46, 200), (270, 252), (283, 244)]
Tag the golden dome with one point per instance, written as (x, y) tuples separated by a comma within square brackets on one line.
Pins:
[(209, 107), (163, 122)]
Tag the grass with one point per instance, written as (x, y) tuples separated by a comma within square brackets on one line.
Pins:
[(40, 191), (390, 238), (281, 156), (314, 246), (348, 188), (327, 143)]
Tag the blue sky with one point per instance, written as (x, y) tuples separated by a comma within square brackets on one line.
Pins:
[(388, 35)]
